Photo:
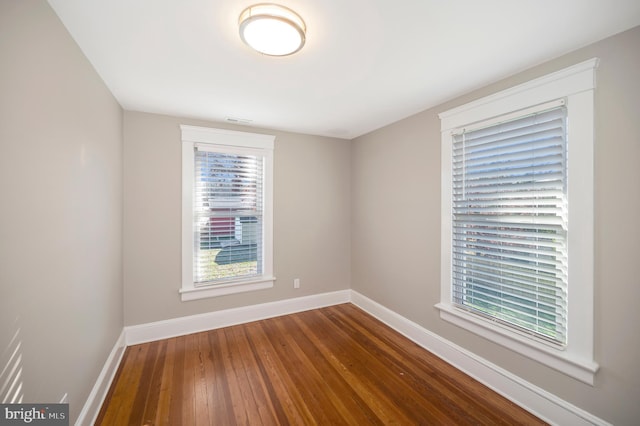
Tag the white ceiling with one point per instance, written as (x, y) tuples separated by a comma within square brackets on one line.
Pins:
[(366, 63)]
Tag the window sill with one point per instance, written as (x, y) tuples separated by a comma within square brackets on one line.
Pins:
[(223, 289), (564, 361)]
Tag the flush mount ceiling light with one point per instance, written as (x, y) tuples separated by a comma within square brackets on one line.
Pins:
[(272, 29)]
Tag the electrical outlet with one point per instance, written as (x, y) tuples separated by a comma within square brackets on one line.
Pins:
[(296, 283)]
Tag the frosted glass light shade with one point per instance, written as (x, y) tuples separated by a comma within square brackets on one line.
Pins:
[(272, 29)]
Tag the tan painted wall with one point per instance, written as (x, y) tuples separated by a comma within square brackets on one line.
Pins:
[(396, 229), (60, 210), (311, 218)]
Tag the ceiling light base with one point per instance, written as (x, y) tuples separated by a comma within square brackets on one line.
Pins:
[(272, 29)]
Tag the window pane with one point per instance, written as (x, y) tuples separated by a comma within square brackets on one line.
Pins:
[(510, 223), (228, 211)]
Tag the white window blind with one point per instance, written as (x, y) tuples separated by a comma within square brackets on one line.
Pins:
[(228, 215), (509, 224)]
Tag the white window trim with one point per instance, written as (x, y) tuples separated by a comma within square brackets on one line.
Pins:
[(224, 139), (576, 85)]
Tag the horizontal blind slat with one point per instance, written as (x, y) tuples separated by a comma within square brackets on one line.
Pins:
[(550, 282), (512, 266), (509, 222), (524, 299), (517, 310)]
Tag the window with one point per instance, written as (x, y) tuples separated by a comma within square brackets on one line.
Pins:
[(226, 212), (509, 224), (517, 219)]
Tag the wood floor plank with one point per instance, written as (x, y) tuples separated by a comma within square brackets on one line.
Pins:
[(280, 374), (125, 387), (421, 371), (351, 404), (219, 395), (335, 365), (242, 400), (441, 386), (255, 384), (276, 394), (155, 384), (405, 367), (324, 405), (189, 381), (177, 381), (166, 385), (140, 400), (366, 366), (201, 356)]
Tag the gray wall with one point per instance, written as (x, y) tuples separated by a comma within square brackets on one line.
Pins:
[(311, 218), (61, 211), (396, 229)]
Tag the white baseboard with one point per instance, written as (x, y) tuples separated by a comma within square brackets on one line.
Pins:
[(195, 323), (539, 402), (543, 404), (92, 406)]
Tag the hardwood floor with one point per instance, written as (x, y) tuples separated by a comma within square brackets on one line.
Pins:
[(329, 366)]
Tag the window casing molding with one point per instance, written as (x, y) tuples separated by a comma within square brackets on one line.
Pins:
[(231, 142), (575, 86)]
